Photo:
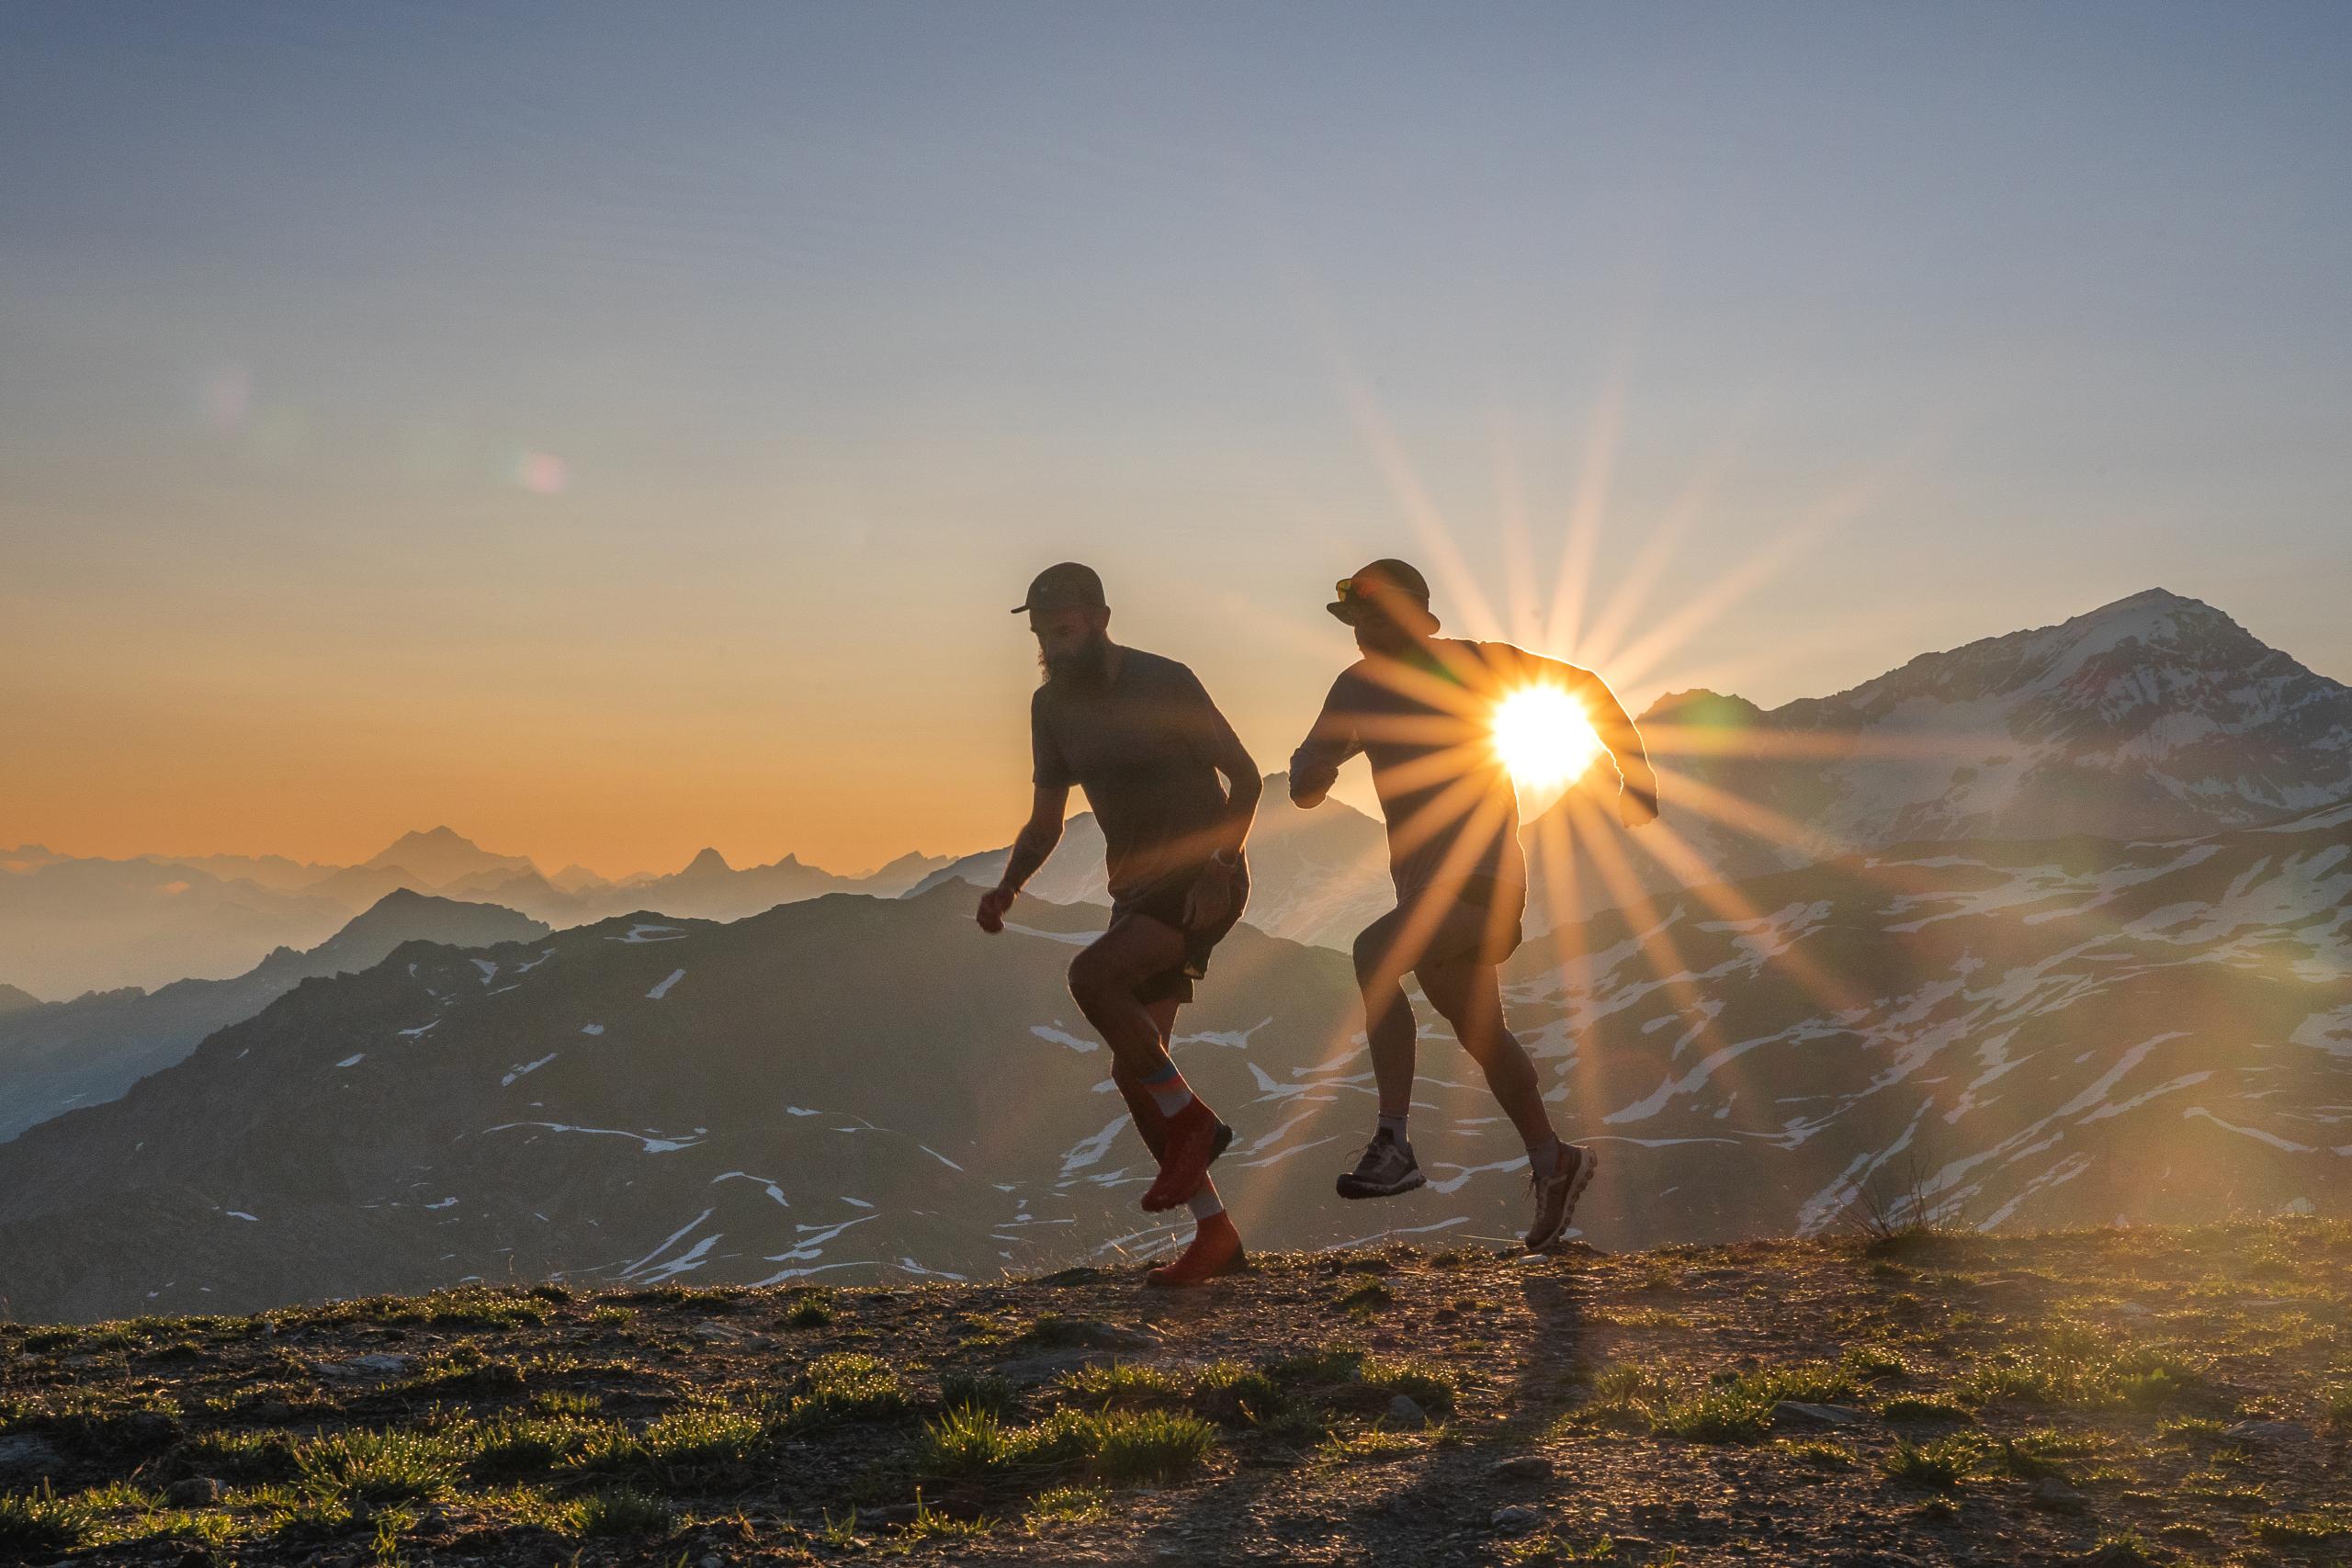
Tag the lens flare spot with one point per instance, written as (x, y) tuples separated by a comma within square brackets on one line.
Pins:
[(541, 473), (1544, 738)]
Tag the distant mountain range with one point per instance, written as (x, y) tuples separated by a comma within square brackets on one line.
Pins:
[(55, 1056), (2156, 716), (69, 925), (2019, 1034)]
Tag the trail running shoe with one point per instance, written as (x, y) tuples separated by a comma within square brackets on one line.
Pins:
[(1386, 1169), (1195, 1137), (1216, 1249), (1556, 1194)]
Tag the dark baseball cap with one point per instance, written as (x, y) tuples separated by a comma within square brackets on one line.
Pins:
[(1376, 590), (1064, 586)]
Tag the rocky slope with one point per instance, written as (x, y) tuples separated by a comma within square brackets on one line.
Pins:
[(2018, 1035), (57, 1055)]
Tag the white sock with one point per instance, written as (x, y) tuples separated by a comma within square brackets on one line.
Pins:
[(1544, 1158), (1169, 1090), (1395, 1125), (1206, 1204)]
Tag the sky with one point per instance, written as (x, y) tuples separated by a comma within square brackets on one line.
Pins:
[(614, 430)]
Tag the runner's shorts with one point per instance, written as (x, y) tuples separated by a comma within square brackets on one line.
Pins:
[(1164, 901)]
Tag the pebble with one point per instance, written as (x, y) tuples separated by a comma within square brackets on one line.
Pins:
[(2269, 1431), (2052, 1492), (1406, 1413), (1516, 1519), (194, 1491), (1524, 1467), (1819, 1414)]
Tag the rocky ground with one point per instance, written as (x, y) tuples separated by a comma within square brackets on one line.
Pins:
[(2097, 1397)]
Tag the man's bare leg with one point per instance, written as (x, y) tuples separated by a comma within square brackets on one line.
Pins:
[(1388, 1024), (1468, 995), (1105, 980), (1217, 1245)]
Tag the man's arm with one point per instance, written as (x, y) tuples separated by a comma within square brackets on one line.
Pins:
[(1030, 846), (1315, 766), (1242, 785)]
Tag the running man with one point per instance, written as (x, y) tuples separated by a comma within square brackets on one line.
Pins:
[(1140, 735), (1420, 707)]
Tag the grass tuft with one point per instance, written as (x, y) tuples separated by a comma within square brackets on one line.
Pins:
[(361, 1466), (41, 1521)]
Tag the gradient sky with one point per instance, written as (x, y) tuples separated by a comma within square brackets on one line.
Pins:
[(613, 429)]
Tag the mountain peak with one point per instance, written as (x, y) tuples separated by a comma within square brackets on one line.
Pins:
[(707, 863)]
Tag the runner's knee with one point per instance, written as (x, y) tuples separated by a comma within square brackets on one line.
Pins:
[(1371, 952)]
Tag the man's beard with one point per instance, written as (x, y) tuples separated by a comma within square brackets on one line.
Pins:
[(1083, 669)]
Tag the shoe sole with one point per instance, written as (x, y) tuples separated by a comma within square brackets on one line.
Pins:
[(1351, 1188), (1585, 1167), (1218, 1143)]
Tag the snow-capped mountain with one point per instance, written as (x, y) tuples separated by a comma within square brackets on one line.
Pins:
[(2022, 1033), (2154, 716)]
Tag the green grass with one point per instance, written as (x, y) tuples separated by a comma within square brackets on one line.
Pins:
[(702, 1437), (929, 1524), (620, 1511), (983, 1390), (377, 1467), (1233, 1394), (812, 1308), (41, 1521), (1122, 1383), (2299, 1530), (1114, 1445), (2075, 1368), (234, 1457), (846, 1387), (1740, 1410), (1940, 1465), (1070, 1505), (517, 1445)]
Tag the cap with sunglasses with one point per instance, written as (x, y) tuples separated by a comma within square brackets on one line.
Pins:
[(1065, 586), (1382, 590)]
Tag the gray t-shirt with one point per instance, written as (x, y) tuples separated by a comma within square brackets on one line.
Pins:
[(1143, 750)]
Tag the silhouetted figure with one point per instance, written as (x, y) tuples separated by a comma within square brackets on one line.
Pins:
[(1421, 709), (1140, 735)]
